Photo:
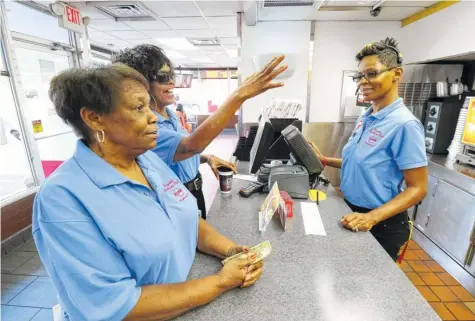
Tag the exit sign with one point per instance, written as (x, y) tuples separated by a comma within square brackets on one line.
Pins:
[(71, 19)]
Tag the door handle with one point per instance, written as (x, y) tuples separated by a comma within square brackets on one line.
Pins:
[(470, 251)]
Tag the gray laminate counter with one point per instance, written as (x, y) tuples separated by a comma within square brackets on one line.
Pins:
[(343, 276)]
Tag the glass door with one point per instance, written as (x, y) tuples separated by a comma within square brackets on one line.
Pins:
[(37, 66), (16, 175)]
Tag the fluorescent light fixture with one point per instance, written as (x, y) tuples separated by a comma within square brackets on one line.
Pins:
[(233, 53), (177, 44)]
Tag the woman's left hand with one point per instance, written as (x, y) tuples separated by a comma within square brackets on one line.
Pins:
[(216, 162), (358, 222)]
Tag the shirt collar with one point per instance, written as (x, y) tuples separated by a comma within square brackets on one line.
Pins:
[(385, 111), (171, 115), (98, 170)]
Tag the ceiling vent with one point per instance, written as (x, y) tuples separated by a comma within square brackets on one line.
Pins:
[(204, 42), (122, 10), (288, 3)]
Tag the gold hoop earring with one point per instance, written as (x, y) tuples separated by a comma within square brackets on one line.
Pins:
[(102, 136)]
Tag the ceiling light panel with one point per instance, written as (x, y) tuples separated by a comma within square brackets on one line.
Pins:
[(186, 23), (148, 25)]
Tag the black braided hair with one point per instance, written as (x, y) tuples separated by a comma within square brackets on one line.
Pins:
[(386, 50)]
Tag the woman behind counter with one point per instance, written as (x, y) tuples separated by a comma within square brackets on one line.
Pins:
[(175, 146), (114, 227), (385, 150)]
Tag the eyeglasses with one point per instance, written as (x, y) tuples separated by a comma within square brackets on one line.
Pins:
[(369, 74), (163, 77)]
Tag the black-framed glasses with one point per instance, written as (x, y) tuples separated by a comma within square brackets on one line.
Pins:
[(164, 78), (368, 75)]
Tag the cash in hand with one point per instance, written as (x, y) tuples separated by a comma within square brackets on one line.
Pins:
[(262, 250)]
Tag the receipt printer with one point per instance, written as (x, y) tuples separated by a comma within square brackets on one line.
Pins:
[(293, 179)]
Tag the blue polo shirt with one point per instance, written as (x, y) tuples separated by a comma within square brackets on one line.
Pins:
[(101, 236), (381, 147), (170, 133)]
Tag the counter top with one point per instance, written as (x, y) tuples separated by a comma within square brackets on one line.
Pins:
[(343, 276), (460, 175)]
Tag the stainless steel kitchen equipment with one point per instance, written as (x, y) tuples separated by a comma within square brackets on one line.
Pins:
[(441, 119)]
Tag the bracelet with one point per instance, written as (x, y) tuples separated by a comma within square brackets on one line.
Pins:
[(324, 161)]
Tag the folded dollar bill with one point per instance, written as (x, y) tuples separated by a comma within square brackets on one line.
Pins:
[(262, 250)]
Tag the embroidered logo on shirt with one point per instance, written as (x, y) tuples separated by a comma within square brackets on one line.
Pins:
[(180, 194), (168, 186), (371, 141), (376, 132)]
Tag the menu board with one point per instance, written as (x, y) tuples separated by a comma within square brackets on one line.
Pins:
[(468, 137)]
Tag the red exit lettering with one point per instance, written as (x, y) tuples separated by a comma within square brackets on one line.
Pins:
[(73, 15)]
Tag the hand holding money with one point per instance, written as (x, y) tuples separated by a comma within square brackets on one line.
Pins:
[(235, 273), (263, 250)]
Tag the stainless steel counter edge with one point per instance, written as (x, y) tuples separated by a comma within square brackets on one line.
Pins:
[(449, 171)]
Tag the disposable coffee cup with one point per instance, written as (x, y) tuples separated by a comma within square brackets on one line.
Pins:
[(225, 179)]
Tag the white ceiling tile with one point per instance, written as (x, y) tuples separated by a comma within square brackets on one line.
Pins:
[(197, 33), (94, 14), (187, 23), (148, 25), (225, 61), (228, 32), (229, 41), (222, 22), (212, 48), (230, 47), (99, 35), (219, 7), (149, 41), (161, 33), (104, 25), (116, 44), (408, 3), (174, 8), (128, 35)]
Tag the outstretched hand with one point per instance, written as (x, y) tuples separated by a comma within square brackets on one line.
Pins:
[(261, 81)]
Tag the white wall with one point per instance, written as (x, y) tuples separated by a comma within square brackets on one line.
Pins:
[(446, 33), (335, 47), (277, 37)]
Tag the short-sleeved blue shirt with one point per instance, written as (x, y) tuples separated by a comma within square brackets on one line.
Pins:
[(102, 236), (381, 147), (170, 133)]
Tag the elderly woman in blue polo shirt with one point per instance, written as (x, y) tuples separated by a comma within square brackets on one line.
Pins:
[(115, 228), (385, 150), (175, 146)]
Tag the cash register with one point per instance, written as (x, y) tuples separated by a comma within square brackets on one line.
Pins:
[(298, 168)]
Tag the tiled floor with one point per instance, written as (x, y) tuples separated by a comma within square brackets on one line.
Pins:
[(446, 296), (27, 292)]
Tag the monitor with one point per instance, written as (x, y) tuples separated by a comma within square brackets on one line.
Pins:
[(301, 151), (269, 143)]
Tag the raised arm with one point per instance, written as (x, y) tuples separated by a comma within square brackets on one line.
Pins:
[(214, 125)]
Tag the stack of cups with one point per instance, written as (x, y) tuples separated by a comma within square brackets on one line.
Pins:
[(456, 147)]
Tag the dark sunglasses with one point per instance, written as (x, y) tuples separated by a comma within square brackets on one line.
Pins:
[(368, 75), (163, 78)]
